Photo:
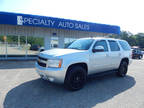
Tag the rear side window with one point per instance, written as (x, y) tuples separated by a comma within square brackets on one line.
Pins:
[(125, 46), (113, 45)]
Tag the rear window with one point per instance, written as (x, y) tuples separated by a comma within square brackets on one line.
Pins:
[(125, 46)]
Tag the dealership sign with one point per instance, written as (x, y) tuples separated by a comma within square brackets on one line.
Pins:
[(58, 23), (51, 23)]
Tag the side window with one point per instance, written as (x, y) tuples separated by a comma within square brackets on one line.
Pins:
[(113, 45), (102, 43), (125, 46)]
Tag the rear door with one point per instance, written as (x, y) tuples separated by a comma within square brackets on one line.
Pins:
[(115, 54)]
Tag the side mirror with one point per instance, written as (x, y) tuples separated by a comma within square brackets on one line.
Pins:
[(98, 49)]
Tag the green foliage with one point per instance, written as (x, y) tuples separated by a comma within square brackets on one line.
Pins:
[(30, 40), (36, 41), (140, 40), (1, 38), (133, 40)]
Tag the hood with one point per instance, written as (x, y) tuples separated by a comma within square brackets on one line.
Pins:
[(59, 52)]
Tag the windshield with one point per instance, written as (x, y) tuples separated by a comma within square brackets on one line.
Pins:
[(81, 44)]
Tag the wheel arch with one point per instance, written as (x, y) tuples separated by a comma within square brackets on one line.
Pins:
[(82, 64), (125, 59)]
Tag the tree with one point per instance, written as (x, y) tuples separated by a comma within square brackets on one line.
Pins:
[(140, 40)]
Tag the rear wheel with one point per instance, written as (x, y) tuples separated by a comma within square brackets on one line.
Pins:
[(122, 71), (75, 78)]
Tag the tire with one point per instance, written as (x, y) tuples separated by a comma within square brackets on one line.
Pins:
[(75, 78), (123, 68)]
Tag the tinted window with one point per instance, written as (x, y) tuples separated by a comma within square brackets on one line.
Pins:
[(81, 44), (102, 43), (125, 45), (114, 46)]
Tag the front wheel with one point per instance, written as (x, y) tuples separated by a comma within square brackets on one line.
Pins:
[(75, 78), (122, 71)]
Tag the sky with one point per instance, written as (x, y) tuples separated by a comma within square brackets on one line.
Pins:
[(128, 14)]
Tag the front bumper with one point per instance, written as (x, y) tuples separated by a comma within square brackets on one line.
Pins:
[(52, 74)]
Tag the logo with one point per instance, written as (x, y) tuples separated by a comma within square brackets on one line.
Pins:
[(19, 20)]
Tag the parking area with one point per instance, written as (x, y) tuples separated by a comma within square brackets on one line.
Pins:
[(21, 87)]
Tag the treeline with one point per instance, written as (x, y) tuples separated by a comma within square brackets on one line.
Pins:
[(30, 40), (133, 40)]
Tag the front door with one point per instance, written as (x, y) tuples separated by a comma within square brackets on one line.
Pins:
[(99, 61)]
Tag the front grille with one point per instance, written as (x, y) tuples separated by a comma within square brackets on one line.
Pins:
[(42, 58), (41, 64), (42, 61)]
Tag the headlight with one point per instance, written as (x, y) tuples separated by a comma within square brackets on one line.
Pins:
[(54, 63)]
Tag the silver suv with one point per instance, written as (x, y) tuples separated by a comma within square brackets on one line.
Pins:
[(84, 57)]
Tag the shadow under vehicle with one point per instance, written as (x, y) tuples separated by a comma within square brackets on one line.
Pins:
[(43, 94)]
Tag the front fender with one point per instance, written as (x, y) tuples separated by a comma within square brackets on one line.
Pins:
[(75, 59)]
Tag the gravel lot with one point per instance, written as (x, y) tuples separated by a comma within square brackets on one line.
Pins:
[(21, 87)]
